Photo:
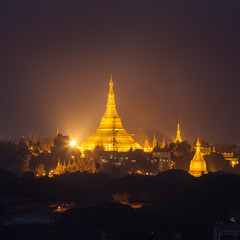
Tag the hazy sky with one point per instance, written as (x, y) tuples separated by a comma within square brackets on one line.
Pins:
[(170, 60)]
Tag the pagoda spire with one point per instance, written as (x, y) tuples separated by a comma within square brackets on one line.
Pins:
[(154, 143), (198, 144), (58, 169), (163, 145), (146, 145), (34, 140), (111, 116), (111, 81), (178, 138), (111, 106)]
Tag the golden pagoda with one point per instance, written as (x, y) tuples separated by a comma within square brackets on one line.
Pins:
[(146, 145), (58, 170), (214, 149), (154, 143), (110, 134), (87, 165), (178, 138), (198, 165), (34, 140), (163, 144)]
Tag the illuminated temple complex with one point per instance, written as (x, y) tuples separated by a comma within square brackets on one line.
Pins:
[(198, 164), (110, 134), (73, 166)]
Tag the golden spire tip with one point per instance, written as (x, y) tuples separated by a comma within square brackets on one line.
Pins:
[(111, 81)]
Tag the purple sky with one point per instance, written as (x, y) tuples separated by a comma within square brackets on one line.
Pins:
[(170, 60)]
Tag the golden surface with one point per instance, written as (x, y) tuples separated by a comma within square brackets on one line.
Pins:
[(163, 144), (146, 145), (178, 138), (154, 143), (198, 165), (110, 134)]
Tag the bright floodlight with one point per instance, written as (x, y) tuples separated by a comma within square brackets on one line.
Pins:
[(73, 143)]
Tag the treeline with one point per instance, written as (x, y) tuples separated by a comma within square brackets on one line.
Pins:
[(171, 185), (22, 156)]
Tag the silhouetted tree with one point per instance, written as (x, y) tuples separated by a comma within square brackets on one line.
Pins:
[(14, 157), (216, 162), (98, 152)]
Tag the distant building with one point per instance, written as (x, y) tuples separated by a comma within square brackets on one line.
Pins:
[(229, 230), (163, 159), (233, 161), (205, 151), (146, 145), (82, 164), (33, 216), (19, 210), (154, 142), (40, 146)]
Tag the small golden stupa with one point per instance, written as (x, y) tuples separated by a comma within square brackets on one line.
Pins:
[(163, 144), (198, 165), (110, 134), (146, 145), (154, 142), (178, 138)]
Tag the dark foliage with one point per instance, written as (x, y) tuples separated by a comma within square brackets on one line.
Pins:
[(14, 157), (181, 206)]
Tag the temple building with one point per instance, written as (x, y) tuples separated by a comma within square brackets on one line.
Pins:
[(178, 138), (163, 144), (154, 142), (231, 159), (110, 134), (146, 145), (163, 160), (81, 165), (198, 165)]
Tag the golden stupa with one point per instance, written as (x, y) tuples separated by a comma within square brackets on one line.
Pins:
[(154, 142), (198, 165), (163, 144), (110, 134), (178, 138)]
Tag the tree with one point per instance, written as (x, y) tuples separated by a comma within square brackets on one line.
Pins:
[(181, 155), (181, 149), (216, 162), (98, 152), (14, 157)]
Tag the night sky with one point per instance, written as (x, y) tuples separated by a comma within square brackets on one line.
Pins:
[(170, 60)]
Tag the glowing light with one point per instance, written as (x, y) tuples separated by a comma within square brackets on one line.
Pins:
[(178, 138), (198, 165), (73, 143), (110, 134)]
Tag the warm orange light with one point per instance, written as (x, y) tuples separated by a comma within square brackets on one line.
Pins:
[(198, 165), (110, 134), (73, 143)]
